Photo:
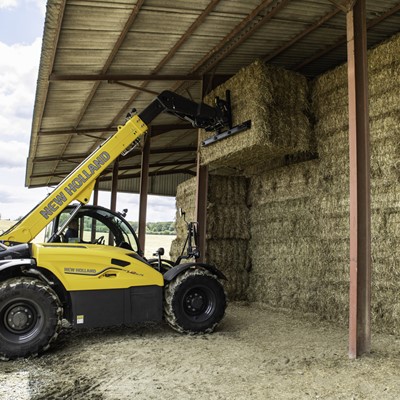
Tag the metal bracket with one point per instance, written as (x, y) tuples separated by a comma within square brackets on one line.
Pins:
[(222, 135)]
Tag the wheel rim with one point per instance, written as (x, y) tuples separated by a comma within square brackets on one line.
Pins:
[(199, 303), (22, 320)]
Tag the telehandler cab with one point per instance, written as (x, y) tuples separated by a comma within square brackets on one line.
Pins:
[(95, 285)]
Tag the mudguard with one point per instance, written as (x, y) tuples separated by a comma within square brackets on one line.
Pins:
[(20, 251), (175, 271), (28, 262)]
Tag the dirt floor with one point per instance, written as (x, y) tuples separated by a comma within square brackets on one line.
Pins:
[(256, 353)]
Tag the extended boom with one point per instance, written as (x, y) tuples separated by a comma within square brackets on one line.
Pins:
[(79, 184)]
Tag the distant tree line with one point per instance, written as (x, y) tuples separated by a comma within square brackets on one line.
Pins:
[(153, 228), (157, 228)]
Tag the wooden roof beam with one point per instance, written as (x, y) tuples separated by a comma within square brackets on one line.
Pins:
[(130, 176), (156, 130), (154, 173), (162, 150), (120, 77), (129, 167)]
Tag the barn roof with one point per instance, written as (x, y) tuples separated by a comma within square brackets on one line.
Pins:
[(101, 58)]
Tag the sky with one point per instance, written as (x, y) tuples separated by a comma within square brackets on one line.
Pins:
[(21, 31)]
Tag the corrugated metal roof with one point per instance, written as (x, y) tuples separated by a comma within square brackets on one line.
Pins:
[(87, 44)]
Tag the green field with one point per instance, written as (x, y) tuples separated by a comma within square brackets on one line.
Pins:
[(5, 224), (153, 242)]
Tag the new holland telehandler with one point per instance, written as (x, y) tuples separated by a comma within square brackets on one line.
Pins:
[(91, 284)]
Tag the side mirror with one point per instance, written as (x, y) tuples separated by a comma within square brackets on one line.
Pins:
[(182, 213), (123, 213)]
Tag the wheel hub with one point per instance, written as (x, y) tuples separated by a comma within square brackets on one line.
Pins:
[(195, 301), (19, 318)]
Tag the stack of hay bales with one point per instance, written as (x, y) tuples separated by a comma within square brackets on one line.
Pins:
[(298, 241), (276, 102), (330, 106), (185, 200), (284, 247), (228, 230), (384, 70)]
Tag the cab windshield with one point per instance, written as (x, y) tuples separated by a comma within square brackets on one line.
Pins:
[(95, 225)]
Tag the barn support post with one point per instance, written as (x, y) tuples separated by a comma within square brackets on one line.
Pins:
[(201, 195), (114, 186), (201, 206), (95, 203), (96, 193), (360, 212), (144, 186), (114, 192)]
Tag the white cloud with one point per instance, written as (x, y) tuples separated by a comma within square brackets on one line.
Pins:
[(15, 199), (40, 4), (7, 4), (159, 208), (18, 75), (13, 154), (12, 4)]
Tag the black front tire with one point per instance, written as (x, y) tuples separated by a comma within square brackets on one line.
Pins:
[(30, 317), (194, 302)]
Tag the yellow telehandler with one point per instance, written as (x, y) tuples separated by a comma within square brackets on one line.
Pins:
[(91, 284)]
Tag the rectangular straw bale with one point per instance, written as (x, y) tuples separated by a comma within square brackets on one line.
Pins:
[(231, 257), (227, 222), (385, 55), (335, 226), (385, 103), (227, 228), (186, 200), (276, 101), (383, 79), (393, 224), (385, 125), (277, 255), (384, 302), (338, 100), (386, 271), (334, 145), (227, 190), (329, 82), (285, 183), (267, 225), (334, 203), (331, 123), (385, 162)]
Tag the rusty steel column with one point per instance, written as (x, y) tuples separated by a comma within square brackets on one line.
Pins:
[(96, 193), (95, 203), (144, 184), (360, 213), (201, 196), (201, 207), (114, 186), (114, 192)]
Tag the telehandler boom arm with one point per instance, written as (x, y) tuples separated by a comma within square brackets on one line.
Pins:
[(79, 184)]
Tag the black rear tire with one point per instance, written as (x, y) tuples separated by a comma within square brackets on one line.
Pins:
[(194, 302), (30, 317)]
